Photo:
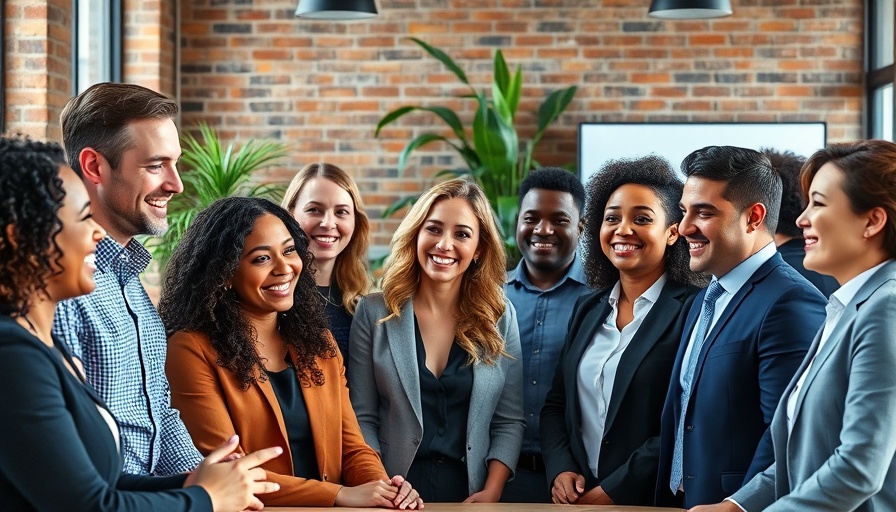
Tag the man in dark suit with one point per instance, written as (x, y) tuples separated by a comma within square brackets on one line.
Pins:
[(744, 336), (788, 236)]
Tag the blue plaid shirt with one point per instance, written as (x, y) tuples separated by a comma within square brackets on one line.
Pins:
[(117, 334), (543, 318)]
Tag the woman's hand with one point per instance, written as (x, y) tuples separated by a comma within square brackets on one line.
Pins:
[(372, 494), (596, 496), (484, 496), (233, 484), (567, 488), (725, 506), (407, 496)]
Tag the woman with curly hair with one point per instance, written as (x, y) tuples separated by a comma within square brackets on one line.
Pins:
[(600, 424), (327, 203), (436, 374), (59, 444), (249, 352)]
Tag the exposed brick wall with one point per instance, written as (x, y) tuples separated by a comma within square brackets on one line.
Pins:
[(254, 70), (37, 79), (149, 44)]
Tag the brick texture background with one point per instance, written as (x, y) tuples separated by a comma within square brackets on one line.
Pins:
[(254, 70)]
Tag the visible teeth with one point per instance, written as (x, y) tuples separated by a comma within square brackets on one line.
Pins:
[(625, 247), (280, 287), (696, 245), (442, 261), (90, 260), (326, 239), (811, 240), (158, 203), (542, 245)]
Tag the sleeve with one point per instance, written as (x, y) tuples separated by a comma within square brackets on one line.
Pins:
[(361, 380), (858, 467), (555, 443), (67, 326), (758, 493), (507, 425), (785, 335), (360, 464), (43, 458), (178, 454), (197, 393)]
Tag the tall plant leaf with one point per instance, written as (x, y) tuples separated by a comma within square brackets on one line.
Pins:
[(551, 109), (444, 59), (501, 73)]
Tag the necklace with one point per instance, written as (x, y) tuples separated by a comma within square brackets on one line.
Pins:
[(328, 296)]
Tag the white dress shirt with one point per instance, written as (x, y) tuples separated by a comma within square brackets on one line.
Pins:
[(597, 369)]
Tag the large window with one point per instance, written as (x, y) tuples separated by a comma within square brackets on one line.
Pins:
[(96, 43), (880, 17)]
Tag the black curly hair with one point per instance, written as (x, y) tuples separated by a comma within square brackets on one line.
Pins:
[(655, 173), (196, 298), (30, 196), (554, 178), (793, 201)]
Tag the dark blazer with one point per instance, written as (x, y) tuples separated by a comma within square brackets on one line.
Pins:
[(630, 452), (793, 251), (841, 452), (56, 451), (748, 358)]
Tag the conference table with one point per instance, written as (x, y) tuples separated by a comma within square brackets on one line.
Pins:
[(494, 507)]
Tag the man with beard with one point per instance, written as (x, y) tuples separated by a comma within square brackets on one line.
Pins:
[(543, 288), (123, 140)]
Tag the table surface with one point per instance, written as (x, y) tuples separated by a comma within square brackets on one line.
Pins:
[(493, 507)]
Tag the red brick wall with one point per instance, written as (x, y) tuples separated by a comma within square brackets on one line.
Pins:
[(37, 79), (149, 44), (254, 70)]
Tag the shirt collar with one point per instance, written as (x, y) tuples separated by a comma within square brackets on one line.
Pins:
[(848, 291), (131, 259), (574, 273), (736, 277), (650, 295)]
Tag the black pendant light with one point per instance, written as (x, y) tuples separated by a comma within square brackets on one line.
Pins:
[(689, 9), (336, 9)]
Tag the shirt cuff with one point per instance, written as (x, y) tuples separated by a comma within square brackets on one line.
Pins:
[(736, 503)]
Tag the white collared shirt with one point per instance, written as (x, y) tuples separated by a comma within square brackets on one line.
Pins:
[(731, 283), (597, 369), (835, 307)]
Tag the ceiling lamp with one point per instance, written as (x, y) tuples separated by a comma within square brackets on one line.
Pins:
[(336, 9), (689, 9)]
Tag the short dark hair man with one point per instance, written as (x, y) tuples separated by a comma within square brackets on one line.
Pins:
[(788, 236), (122, 139), (745, 335), (543, 288)]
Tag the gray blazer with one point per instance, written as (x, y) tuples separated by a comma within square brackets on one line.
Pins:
[(840, 454), (385, 391)]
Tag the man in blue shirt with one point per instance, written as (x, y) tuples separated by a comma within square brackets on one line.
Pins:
[(543, 288), (123, 139)]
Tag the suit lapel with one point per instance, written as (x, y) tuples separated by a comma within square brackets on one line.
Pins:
[(400, 335), (267, 390), (661, 315), (483, 386)]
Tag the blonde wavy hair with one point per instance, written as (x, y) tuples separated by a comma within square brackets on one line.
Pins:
[(349, 270), (482, 301)]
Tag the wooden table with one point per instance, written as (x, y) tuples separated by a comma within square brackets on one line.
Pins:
[(491, 507)]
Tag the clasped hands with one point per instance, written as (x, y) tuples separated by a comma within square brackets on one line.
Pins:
[(569, 488)]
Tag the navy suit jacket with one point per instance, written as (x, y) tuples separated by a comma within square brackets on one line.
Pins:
[(748, 359), (630, 449)]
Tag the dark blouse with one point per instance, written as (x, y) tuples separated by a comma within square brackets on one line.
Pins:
[(340, 321), (298, 426), (445, 403)]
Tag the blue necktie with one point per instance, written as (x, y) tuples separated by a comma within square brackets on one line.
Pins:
[(709, 305)]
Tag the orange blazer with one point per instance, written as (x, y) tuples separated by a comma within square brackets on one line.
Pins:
[(214, 407)]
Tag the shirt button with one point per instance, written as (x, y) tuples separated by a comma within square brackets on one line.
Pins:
[(689, 427), (535, 351), (534, 382), (538, 322)]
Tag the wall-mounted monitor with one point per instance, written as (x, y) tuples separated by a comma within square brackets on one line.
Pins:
[(602, 142)]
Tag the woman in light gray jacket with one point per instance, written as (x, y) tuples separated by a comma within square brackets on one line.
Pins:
[(436, 376)]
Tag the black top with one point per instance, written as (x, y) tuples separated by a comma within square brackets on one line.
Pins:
[(793, 251), (339, 319), (298, 426), (56, 450), (445, 403)]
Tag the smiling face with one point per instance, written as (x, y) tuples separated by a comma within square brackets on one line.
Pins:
[(634, 235), (269, 268), (715, 230), (448, 241), (326, 213), (833, 232), (548, 229), (77, 241), (133, 199)]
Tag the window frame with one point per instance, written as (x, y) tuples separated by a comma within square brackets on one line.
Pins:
[(115, 23), (875, 78)]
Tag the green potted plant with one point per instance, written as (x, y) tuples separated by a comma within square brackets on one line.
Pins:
[(212, 171), (490, 147)]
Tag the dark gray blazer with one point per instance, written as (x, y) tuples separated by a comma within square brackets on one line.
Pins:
[(840, 453), (385, 391)]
